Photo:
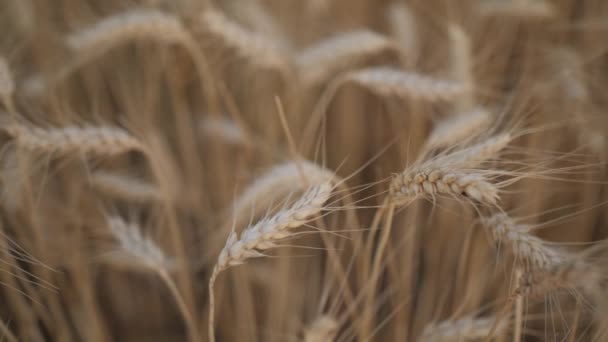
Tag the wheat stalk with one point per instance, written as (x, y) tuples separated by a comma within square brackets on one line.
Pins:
[(265, 234), (461, 64), (390, 81), (463, 329), (323, 329), (98, 141), (254, 47), (318, 63)]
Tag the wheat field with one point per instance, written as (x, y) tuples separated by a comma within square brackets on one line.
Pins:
[(303, 170)]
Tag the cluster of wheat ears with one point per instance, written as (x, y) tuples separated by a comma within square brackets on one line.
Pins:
[(378, 170)]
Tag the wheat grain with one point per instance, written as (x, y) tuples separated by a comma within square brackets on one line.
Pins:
[(390, 81), (457, 129), (323, 329), (252, 46), (99, 141), (125, 187), (320, 62), (464, 329)]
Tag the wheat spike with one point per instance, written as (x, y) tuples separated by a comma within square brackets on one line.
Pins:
[(531, 250), (142, 250), (323, 329), (464, 329), (318, 63), (254, 47), (125, 187), (426, 183), (224, 130), (126, 26), (278, 183), (461, 60), (99, 141), (266, 233), (390, 81), (457, 129), (474, 155)]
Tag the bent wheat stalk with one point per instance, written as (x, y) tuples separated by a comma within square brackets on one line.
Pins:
[(265, 234), (149, 255)]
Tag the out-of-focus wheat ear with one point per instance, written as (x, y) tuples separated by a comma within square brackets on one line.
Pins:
[(390, 81), (323, 329), (416, 183), (276, 184), (458, 129), (121, 28), (404, 29), (255, 15), (255, 48), (124, 27), (464, 329), (145, 252), (225, 130), (461, 64), (532, 251), (475, 155), (320, 62), (124, 187), (520, 9), (264, 235), (92, 140), (7, 85)]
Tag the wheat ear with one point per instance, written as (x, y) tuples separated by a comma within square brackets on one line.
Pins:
[(532, 250), (254, 47), (464, 329), (391, 81), (145, 252), (474, 155), (275, 184), (7, 83), (323, 329), (125, 187), (224, 130), (403, 27), (265, 234), (427, 183), (457, 129), (320, 62), (98, 141), (522, 9)]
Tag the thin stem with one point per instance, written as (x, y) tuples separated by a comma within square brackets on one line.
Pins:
[(212, 305), (183, 308)]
